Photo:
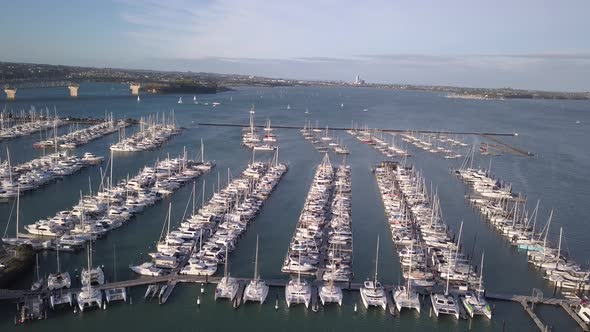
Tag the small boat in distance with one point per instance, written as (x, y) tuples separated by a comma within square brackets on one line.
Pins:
[(180, 100), (138, 99), (288, 107)]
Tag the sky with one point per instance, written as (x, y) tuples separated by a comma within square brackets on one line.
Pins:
[(531, 44)]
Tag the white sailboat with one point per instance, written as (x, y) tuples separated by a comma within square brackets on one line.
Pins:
[(138, 99), (298, 291), (180, 100), (405, 296), (89, 297), (330, 293), (475, 302), (58, 280), (228, 286), (445, 303), (257, 289), (38, 281), (15, 240), (372, 293)]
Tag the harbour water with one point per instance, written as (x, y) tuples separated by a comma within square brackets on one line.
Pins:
[(556, 174)]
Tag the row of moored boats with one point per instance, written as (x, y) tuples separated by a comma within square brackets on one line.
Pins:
[(152, 134), (428, 254), (37, 172), (82, 136), (509, 215)]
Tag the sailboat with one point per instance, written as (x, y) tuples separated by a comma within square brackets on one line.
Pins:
[(92, 275), (257, 289), (58, 280), (372, 293), (195, 99), (329, 292), (138, 99), (89, 297), (475, 302), (306, 110), (15, 240), (38, 282), (228, 286), (298, 290), (445, 303), (288, 107), (204, 166), (180, 100), (405, 296)]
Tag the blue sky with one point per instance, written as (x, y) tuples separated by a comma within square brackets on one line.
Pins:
[(533, 44)]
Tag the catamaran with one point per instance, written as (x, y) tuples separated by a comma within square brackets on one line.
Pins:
[(329, 293), (372, 293), (445, 303), (228, 286), (89, 297), (298, 291), (257, 289), (405, 296), (60, 279), (475, 302)]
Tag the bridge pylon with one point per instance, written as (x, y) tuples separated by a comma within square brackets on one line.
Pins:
[(134, 87), (73, 90), (10, 93)]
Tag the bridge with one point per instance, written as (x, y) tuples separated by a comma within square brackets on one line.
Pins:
[(73, 85)]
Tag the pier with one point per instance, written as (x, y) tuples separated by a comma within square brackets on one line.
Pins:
[(171, 280), (387, 130), (507, 147)]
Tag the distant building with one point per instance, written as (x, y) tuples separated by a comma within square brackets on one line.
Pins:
[(358, 80)]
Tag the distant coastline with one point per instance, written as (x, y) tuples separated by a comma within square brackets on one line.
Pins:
[(17, 74)]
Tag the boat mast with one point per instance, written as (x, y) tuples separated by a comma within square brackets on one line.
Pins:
[(481, 272), (448, 275), (225, 274), (547, 232), (256, 261), (376, 261), (559, 247), (194, 198), (410, 269), (202, 152), (17, 207)]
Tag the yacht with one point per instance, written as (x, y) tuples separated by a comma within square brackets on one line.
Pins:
[(329, 293), (257, 289), (445, 303), (228, 286), (405, 296), (372, 293), (298, 291), (60, 279), (584, 311), (146, 269), (475, 302), (88, 296)]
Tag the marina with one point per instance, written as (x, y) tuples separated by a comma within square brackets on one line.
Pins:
[(30, 124), (231, 228), (82, 136), (152, 133), (32, 174)]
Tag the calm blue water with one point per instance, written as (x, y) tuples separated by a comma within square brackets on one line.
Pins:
[(557, 175)]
